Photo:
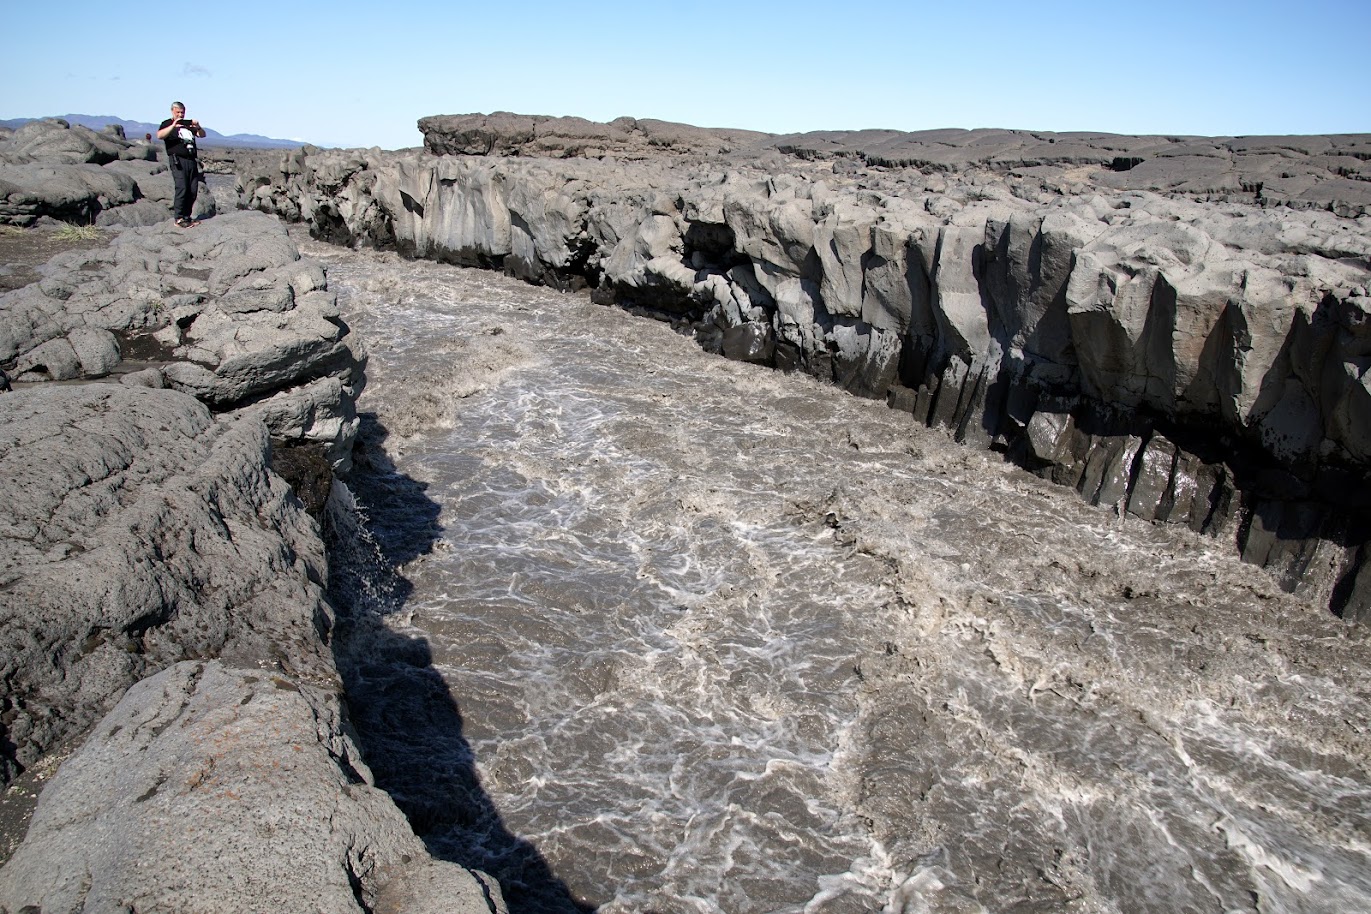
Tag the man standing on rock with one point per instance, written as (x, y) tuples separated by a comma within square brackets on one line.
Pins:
[(180, 133)]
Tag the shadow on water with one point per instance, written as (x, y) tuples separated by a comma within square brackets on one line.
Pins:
[(408, 724)]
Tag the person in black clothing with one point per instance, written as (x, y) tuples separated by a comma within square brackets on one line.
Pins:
[(180, 134)]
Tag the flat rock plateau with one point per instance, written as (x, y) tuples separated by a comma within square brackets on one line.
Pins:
[(1174, 327)]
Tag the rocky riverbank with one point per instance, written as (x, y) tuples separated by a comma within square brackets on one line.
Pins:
[(163, 607), (1176, 327)]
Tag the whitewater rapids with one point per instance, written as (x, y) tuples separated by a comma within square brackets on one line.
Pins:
[(719, 639)]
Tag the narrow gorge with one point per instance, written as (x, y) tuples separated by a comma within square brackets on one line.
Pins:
[(946, 522), (1174, 327)]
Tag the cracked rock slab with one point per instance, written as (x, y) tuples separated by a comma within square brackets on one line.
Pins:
[(217, 789)]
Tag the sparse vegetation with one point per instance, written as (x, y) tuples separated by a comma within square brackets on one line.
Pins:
[(77, 233)]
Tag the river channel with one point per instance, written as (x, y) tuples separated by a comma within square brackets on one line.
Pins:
[(697, 636)]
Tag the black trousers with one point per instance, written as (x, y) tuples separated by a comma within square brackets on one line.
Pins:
[(184, 173)]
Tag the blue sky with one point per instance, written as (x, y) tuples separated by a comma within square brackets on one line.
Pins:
[(361, 74)]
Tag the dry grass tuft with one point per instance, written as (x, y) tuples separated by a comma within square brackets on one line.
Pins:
[(77, 233)]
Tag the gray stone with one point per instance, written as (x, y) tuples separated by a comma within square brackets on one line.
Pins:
[(139, 532), (750, 342), (320, 411), (439, 887), (951, 384), (866, 360), (231, 304), (145, 377), (73, 174), (1044, 430), (213, 788), (1154, 482), (960, 310), (70, 193), (96, 349), (505, 134), (162, 593), (56, 141), (55, 360), (1116, 472)]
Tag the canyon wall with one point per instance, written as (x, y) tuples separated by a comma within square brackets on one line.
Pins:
[(1180, 350)]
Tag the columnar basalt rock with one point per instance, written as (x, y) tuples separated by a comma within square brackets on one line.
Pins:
[(1102, 329)]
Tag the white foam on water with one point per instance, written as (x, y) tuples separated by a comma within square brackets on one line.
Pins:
[(729, 641)]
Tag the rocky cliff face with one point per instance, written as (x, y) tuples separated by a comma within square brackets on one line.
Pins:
[(1182, 350)]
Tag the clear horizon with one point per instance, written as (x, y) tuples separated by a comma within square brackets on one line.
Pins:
[(343, 74)]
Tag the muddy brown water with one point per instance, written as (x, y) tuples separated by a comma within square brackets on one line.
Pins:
[(722, 639)]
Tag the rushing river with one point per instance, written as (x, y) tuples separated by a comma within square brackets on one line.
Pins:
[(695, 636)]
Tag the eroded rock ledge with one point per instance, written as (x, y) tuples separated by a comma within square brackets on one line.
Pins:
[(227, 312), (1183, 350), (163, 608)]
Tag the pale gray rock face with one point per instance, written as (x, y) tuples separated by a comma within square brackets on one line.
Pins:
[(159, 582), (967, 277), (220, 789), (56, 141), (162, 591), (229, 311)]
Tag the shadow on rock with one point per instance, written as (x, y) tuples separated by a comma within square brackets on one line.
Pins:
[(408, 724)]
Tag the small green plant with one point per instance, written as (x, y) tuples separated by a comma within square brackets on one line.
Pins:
[(77, 233)]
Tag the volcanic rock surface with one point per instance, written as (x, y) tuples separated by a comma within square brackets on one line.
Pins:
[(228, 312), (1174, 326), (215, 787), (163, 603), (50, 169)]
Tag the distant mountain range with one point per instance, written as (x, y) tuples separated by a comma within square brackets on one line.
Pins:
[(135, 129)]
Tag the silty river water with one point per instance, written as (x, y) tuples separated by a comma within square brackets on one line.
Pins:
[(671, 633)]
